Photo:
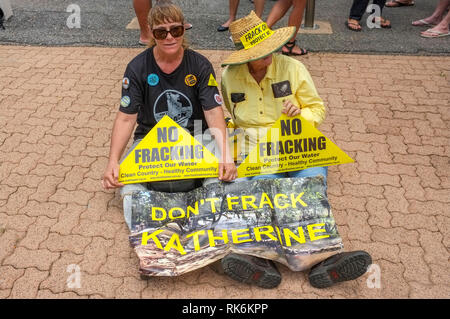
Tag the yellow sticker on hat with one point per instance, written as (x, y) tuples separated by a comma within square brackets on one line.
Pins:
[(167, 152), (291, 144), (256, 35), (212, 81)]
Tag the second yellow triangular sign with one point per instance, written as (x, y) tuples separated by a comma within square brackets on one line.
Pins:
[(292, 143)]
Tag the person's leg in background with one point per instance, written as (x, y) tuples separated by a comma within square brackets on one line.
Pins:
[(400, 3), (233, 7), (356, 12), (259, 7), (278, 11), (436, 17), (442, 29), (295, 19), (142, 9), (384, 23)]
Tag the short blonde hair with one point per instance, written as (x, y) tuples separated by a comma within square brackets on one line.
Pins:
[(163, 12)]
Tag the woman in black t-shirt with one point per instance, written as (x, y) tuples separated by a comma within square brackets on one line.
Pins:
[(168, 78)]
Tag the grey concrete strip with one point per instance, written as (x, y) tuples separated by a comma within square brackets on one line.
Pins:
[(104, 22)]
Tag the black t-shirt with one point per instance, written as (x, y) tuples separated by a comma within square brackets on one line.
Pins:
[(182, 94)]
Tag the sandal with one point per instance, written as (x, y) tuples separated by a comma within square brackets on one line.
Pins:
[(290, 46), (422, 23), (353, 25), (385, 24), (396, 4), (430, 33)]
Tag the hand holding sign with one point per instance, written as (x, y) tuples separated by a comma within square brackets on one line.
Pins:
[(290, 109), (111, 176), (227, 171)]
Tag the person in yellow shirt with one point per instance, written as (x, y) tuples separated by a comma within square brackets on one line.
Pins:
[(257, 91), (257, 86)]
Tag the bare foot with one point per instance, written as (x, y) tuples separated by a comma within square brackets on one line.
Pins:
[(144, 37), (399, 3), (426, 22), (227, 24), (437, 31)]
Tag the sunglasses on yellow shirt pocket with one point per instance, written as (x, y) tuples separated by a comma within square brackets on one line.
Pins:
[(236, 98)]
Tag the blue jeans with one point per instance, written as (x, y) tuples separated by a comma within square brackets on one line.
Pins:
[(359, 7)]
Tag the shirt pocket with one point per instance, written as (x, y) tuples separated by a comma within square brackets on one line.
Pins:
[(238, 101)]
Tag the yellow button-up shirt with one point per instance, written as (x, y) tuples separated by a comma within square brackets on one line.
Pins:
[(255, 105)]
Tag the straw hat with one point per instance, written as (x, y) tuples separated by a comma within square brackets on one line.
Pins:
[(254, 40)]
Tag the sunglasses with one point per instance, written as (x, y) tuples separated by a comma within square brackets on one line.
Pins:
[(161, 34)]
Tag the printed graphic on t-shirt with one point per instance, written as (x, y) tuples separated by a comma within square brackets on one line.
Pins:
[(174, 104)]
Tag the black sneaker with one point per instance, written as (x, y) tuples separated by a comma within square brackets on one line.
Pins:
[(251, 270), (340, 267)]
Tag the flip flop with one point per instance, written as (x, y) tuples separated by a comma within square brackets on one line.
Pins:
[(421, 23), (355, 25), (384, 23), (434, 34), (396, 4)]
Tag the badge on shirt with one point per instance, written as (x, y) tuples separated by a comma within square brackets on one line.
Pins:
[(218, 99), (126, 83), (125, 101), (281, 89), (212, 81), (190, 80), (237, 97), (152, 79)]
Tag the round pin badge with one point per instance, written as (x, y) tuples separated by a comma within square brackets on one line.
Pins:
[(190, 80), (152, 79), (125, 101), (126, 83), (218, 99)]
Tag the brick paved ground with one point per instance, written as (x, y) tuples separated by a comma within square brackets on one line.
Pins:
[(391, 114)]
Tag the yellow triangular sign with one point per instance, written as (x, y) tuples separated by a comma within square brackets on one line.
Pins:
[(291, 144), (212, 81), (167, 152)]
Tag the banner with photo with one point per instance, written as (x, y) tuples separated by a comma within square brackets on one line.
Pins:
[(287, 220)]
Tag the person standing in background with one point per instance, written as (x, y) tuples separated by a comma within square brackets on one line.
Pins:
[(142, 8), (357, 11), (233, 6), (295, 19), (439, 23)]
